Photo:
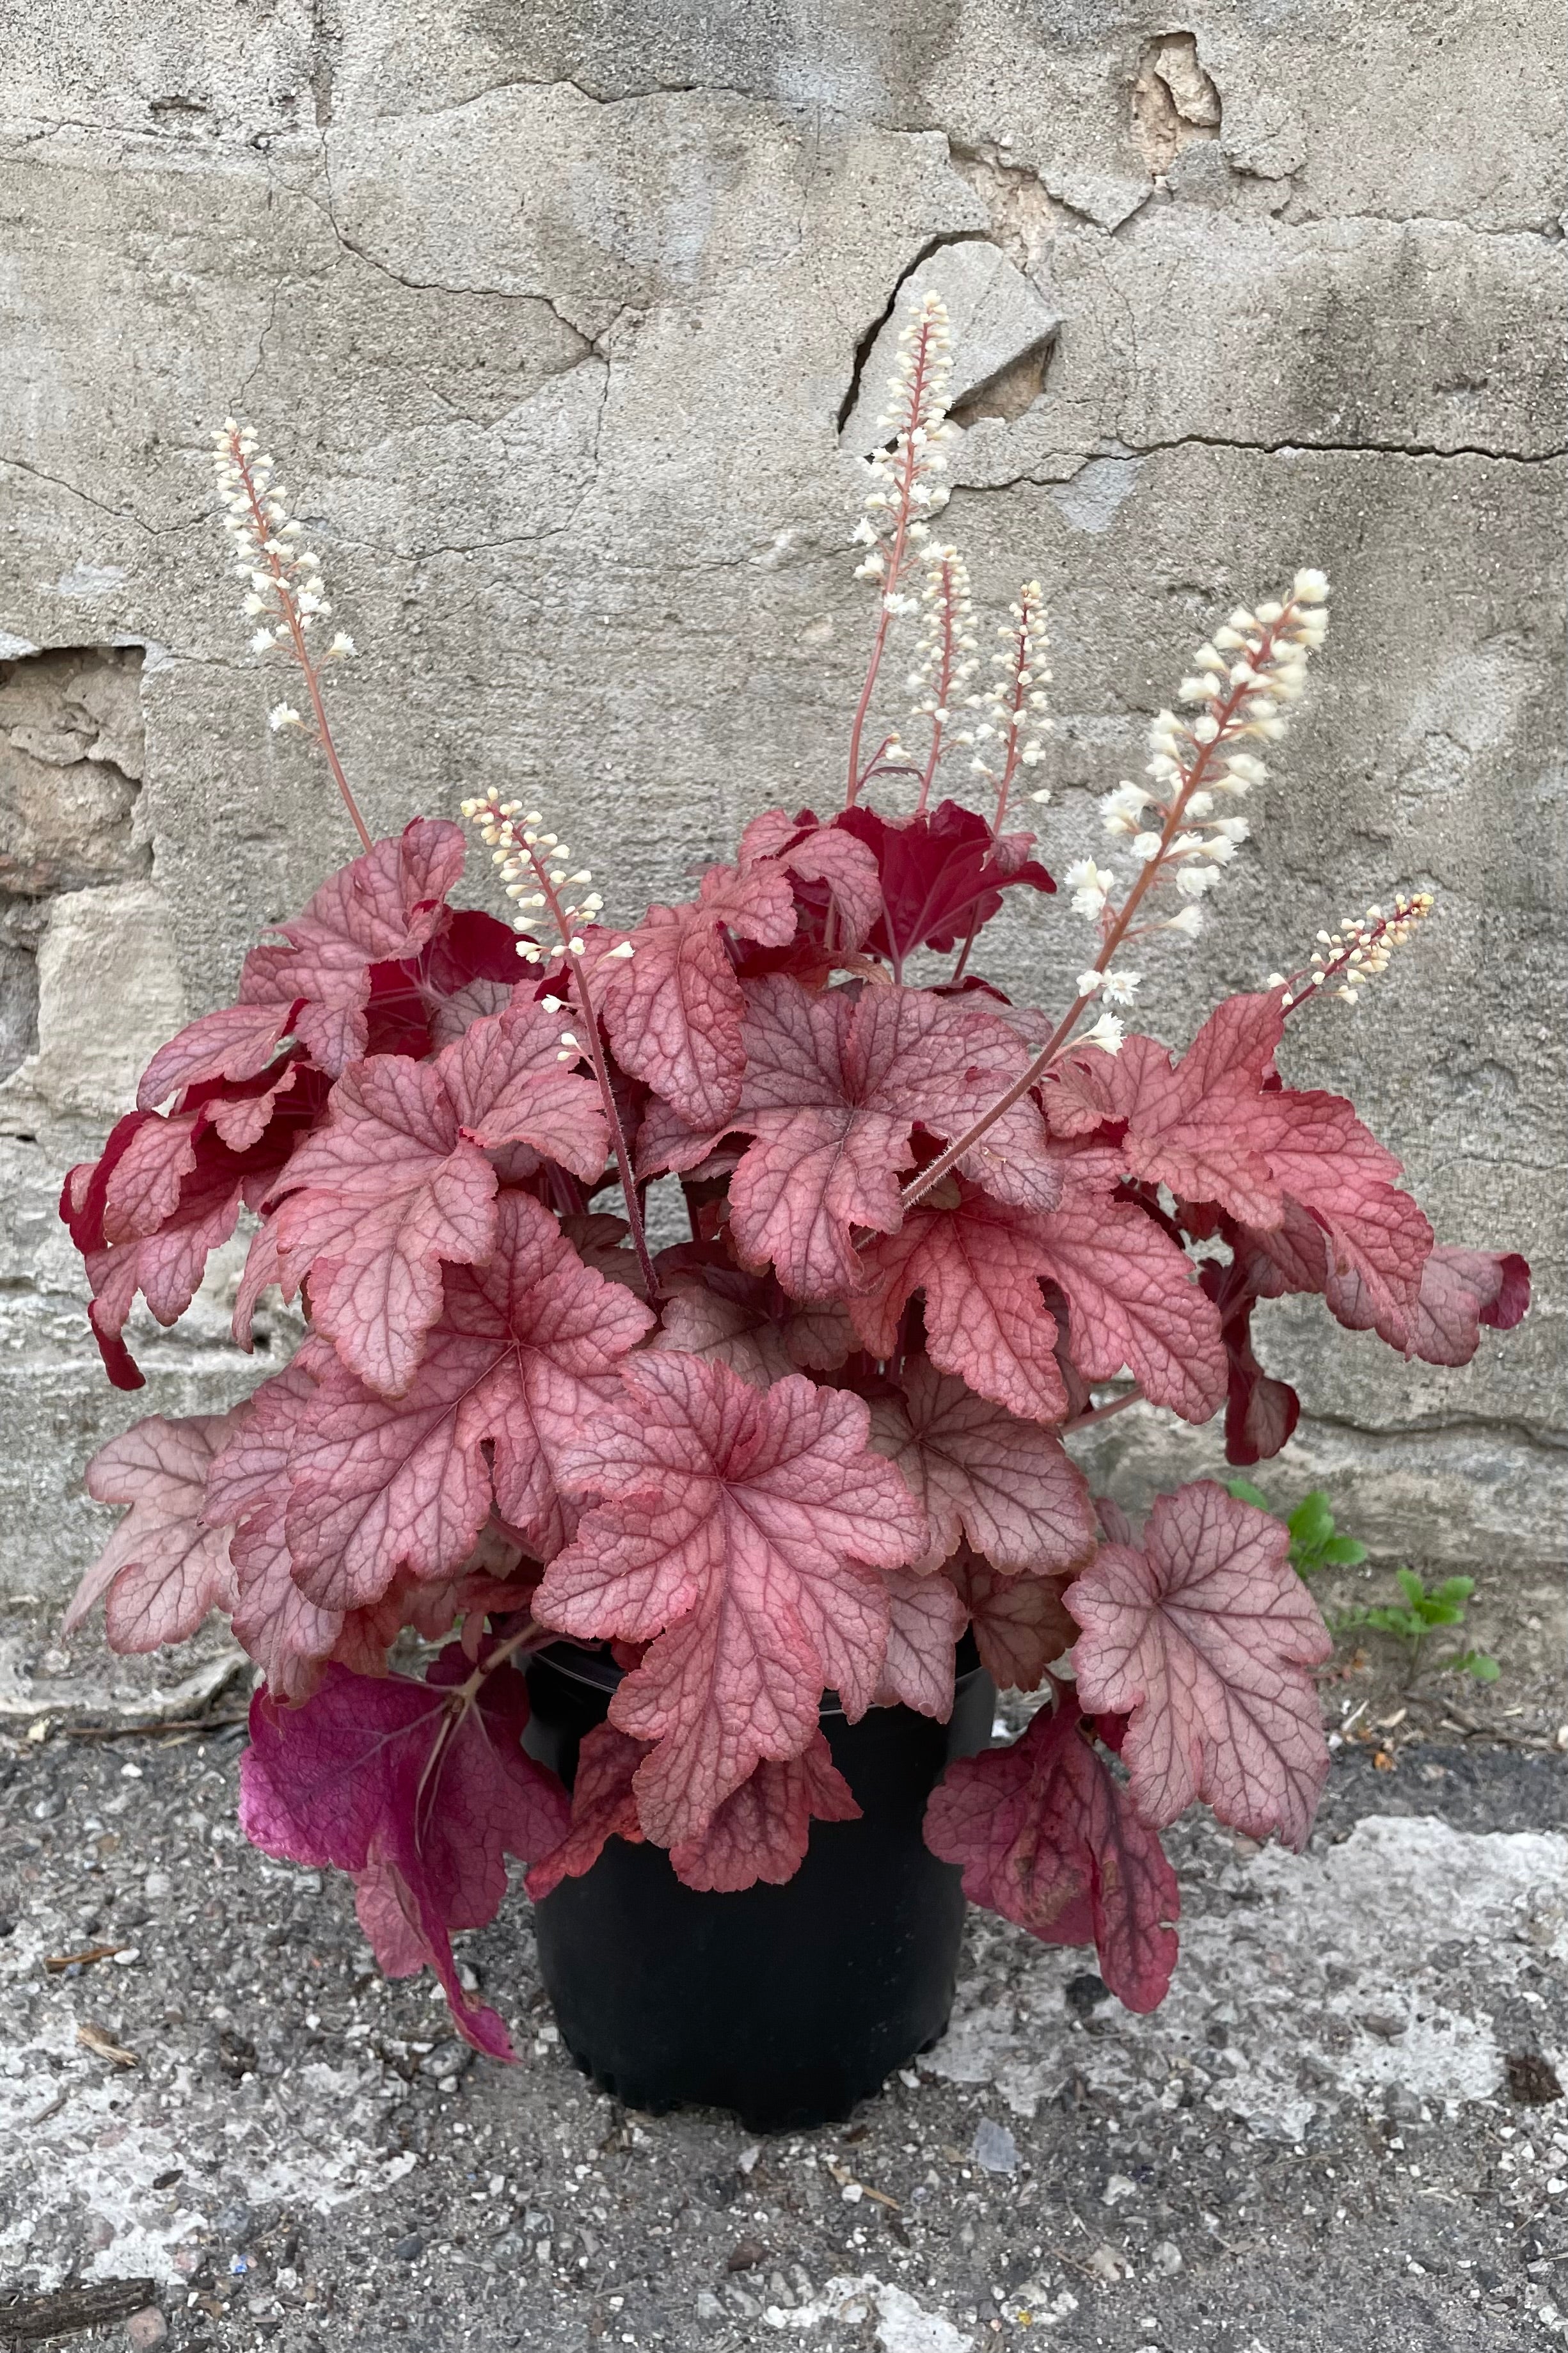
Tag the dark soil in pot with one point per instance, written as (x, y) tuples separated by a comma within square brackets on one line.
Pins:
[(787, 2004)]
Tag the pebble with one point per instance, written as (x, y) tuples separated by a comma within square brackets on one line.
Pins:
[(235, 2223), (146, 2328), (1084, 1993), (1165, 2257), (994, 2146), (406, 2249)]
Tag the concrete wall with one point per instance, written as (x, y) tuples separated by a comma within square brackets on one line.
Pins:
[(550, 314)]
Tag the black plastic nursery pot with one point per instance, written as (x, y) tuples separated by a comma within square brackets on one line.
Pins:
[(787, 2004)]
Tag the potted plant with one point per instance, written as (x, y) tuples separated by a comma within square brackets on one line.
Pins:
[(681, 1576)]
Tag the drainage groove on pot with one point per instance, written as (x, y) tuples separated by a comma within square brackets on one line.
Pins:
[(786, 2005)]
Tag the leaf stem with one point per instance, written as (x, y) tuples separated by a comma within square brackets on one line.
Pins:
[(1134, 1395)]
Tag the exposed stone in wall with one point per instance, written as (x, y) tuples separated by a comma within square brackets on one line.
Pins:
[(71, 767), (1173, 102), (554, 315)]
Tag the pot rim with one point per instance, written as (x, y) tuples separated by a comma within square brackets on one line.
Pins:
[(597, 1671)]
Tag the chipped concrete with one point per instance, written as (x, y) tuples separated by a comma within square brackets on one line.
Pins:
[(553, 314), (1000, 323)]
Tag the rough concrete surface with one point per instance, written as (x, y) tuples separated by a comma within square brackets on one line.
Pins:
[(1345, 2125), (553, 314)]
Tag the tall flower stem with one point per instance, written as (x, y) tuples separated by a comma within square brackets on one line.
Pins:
[(1117, 927), (912, 462), (282, 588), (1347, 959), (594, 1048), (943, 681)]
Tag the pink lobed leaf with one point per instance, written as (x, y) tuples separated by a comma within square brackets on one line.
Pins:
[(1461, 1290), (1205, 1638), (520, 1365), (374, 1203), (248, 1488), (508, 1085), (979, 1265), (713, 1308), (833, 1087), (982, 1472), (1020, 1624), (1134, 1302), (1215, 1129), (925, 1620), (821, 854), (143, 1189), (740, 1535), (1047, 1838), (1132, 1298), (378, 909), (164, 1568), (604, 1806), (423, 1785), (238, 1041), (762, 1831), (674, 1011)]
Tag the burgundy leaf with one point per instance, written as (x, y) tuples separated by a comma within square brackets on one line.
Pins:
[(762, 1831), (521, 1363), (1205, 1638), (164, 1568), (941, 874), (743, 1533), (423, 1785), (1046, 1836), (674, 1012), (1020, 1624), (926, 1620), (604, 1806), (980, 1473), (467, 969), (1261, 1412)]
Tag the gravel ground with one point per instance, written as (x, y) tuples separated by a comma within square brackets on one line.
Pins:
[(1344, 2124)]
